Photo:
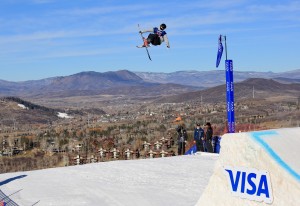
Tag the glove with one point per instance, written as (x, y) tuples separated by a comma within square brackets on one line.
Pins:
[(140, 32), (168, 47)]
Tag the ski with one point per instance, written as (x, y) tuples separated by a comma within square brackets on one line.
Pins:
[(142, 46), (145, 47), (7, 196)]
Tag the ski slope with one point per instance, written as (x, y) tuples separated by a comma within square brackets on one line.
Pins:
[(275, 153), (162, 181), (255, 168)]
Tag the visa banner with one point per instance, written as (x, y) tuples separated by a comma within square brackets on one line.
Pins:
[(249, 183), (230, 96)]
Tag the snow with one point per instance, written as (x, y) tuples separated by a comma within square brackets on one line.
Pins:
[(275, 151), (161, 181), (22, 106), (63, 115), (182, 180)]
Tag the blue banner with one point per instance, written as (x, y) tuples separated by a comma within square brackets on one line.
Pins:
[(230, 96), (220, 51), (232, 120), (192, 150)]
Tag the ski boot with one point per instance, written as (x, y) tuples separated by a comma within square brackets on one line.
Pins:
[(146, 43)]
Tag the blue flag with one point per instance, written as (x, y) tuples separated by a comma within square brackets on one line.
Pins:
[(220, 51)]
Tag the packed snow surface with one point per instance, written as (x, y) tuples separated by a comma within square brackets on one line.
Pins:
[(274, 151), (172, 181), (197, 179)]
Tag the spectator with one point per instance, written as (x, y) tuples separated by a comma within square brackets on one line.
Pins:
[(208, 137), (198, 137), (137, 153), (182, 138)]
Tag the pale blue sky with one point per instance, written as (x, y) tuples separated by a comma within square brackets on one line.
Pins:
[(47, 38)]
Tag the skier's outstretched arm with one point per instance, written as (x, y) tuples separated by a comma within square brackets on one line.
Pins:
[(167, 41), (147, 30)]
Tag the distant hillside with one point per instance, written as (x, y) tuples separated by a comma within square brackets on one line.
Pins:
[(150, 90), (94, 81), (263, 88), (286, 80), (125, 82), (13, 109), (90, 83), (214, 77), (78, 82)]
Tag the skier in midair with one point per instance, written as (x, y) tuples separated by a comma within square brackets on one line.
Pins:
[(156, 37)]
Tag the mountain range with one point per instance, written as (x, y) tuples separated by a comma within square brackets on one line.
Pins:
[(87, 89), (89, 83), (215, 77), (84, 81), (247, 89), (125, 82)]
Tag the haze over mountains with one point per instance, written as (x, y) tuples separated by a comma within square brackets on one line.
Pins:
[(91, 91), (88, 83), (215, 77), (125, 82), (257, 87)]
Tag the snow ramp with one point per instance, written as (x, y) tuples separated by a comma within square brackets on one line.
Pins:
[(256, 168)]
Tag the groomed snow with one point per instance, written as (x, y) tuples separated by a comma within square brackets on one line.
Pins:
[(149, 182), (274, 151), (180, 180)]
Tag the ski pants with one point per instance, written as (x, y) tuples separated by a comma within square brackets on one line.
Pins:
[(204, 145), (154, 39), (181, 148), (199, 146), (209, 146)]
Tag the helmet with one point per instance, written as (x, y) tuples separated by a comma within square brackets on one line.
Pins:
[(163, 26)]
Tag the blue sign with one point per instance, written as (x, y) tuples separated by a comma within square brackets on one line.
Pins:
[(230, 96), (249, 183), (192, 150)]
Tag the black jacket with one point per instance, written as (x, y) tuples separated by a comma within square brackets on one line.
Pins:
[(209, 134), (182, 135)]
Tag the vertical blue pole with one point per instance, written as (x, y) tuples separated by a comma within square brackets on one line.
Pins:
[(228, 104), (232, 99), (230, 96)]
